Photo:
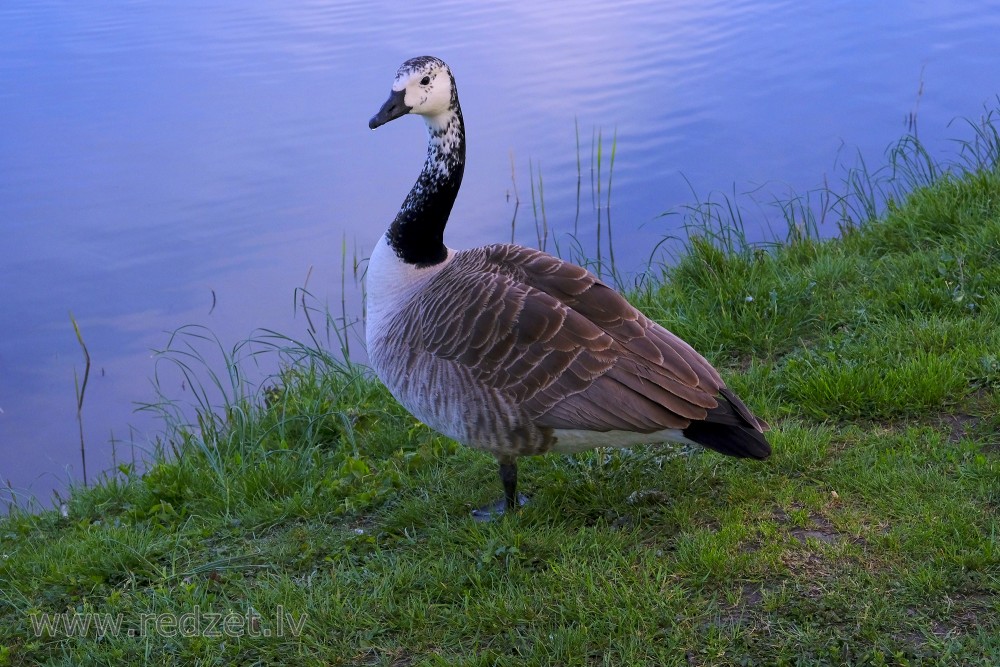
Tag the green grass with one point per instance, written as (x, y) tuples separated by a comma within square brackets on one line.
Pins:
[(870, 537)]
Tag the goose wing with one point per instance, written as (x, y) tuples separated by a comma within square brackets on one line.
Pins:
[(561, 345)]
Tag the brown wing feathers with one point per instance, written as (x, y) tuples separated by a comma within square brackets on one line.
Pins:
[(575, 354)]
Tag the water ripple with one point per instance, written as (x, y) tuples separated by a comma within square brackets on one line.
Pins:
[(157, 153)]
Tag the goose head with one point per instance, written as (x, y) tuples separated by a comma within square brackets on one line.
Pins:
[(423, 86)]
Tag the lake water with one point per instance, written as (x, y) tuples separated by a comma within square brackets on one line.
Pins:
[(165, 164)]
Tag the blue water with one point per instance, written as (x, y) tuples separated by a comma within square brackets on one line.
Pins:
[(164, 164)]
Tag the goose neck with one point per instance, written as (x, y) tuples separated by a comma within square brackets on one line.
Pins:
[(417, 233)]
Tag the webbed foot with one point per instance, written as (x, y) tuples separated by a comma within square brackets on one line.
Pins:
[(511, 498), (497, 509)]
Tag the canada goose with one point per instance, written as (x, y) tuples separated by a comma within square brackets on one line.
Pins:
[(514, 351)]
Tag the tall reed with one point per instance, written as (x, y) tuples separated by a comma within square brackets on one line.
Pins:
[(81, 391)]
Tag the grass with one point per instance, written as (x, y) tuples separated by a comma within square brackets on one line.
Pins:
[(870, 537), (81, 392), (602, 262)]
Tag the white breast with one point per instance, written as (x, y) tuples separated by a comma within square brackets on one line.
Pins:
[(391, 283)]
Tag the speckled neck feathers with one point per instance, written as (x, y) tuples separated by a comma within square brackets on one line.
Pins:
[(417, 233)]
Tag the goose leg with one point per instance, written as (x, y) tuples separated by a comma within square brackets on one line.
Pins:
[(511, 499), (508, 475)]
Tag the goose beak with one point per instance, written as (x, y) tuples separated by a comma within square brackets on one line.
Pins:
[(393, 108)]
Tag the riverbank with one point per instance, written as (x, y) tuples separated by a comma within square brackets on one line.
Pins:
[(317, 522)]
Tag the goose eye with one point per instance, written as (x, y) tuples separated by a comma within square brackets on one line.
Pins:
[(424, 81)]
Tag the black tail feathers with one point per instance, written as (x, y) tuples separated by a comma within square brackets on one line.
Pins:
[(731, 429), (741, 441)]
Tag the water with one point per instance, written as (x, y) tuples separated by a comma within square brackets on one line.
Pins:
[(164, 164)]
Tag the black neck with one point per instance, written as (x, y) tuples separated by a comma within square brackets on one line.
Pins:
[(417, 233)]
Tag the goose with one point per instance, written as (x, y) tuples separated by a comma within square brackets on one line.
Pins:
[(514, 351)]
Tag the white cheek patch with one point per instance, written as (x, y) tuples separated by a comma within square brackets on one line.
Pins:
[(417, 98)]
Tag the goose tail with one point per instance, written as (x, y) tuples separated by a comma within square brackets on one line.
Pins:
[(731, 429)]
